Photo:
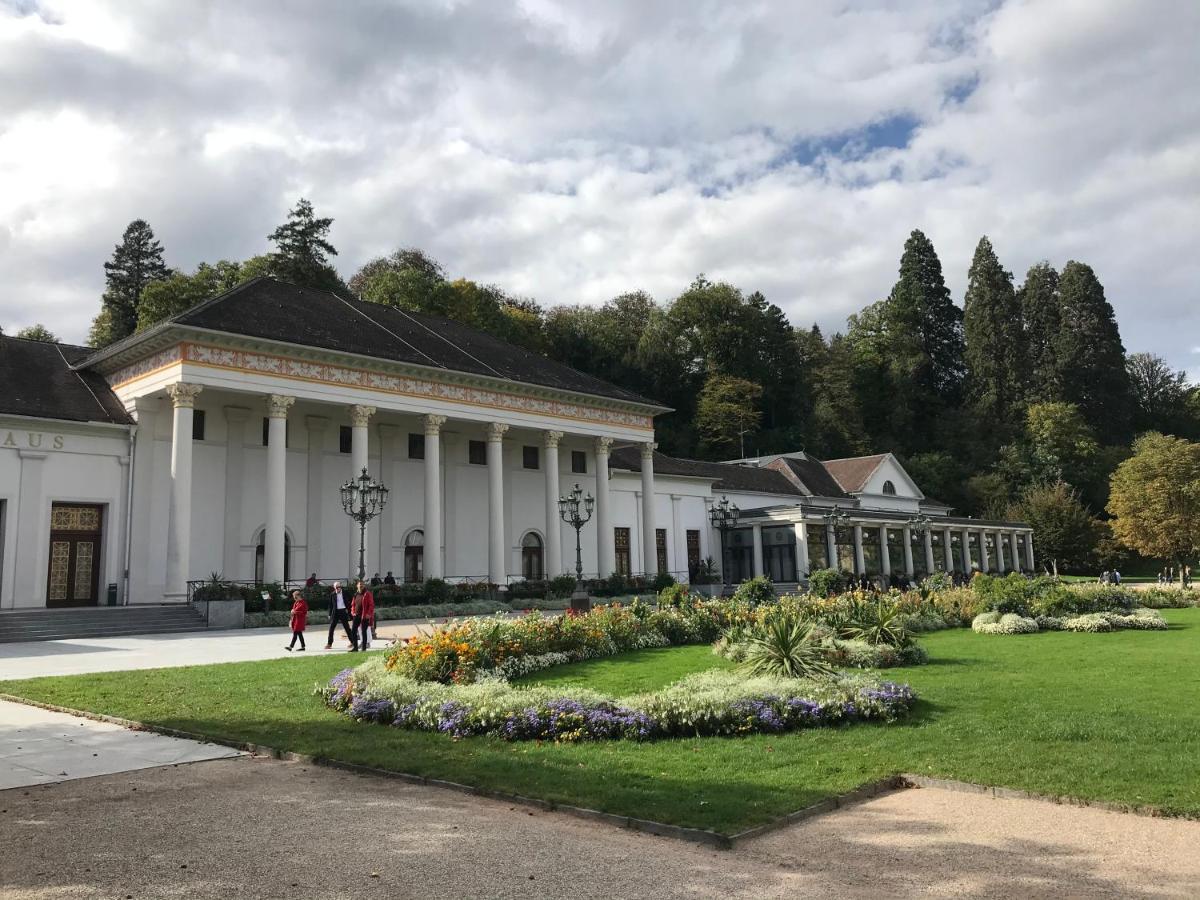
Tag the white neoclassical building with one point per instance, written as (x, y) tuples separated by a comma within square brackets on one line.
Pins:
[(216, 442)]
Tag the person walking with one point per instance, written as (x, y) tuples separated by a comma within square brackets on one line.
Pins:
[(339, 612), (299, 619), (363, 608)]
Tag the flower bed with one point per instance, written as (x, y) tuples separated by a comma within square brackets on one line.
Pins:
[(1012, 623), (704, 704)]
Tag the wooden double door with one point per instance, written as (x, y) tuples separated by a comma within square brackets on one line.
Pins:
[(76, 530)]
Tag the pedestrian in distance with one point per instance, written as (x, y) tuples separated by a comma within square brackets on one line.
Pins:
[(389, 579), (312, 579), (363, 608), (339, 613), (299, 620), (376, 581)]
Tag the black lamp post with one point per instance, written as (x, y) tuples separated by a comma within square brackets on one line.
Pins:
[(724, 516), (569, 510), (919, 524), (837, 517), (363, 498)]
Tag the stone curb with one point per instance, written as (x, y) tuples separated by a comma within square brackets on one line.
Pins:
[(858, 795), (1003, 793)]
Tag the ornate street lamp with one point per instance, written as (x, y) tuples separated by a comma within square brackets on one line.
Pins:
[(919, 523), (724, 516), (363, 498), (569, 510), (837, 517)]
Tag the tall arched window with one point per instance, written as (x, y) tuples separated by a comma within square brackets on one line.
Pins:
[(889, 489), (531, 557), (414, 556), (260, 555)]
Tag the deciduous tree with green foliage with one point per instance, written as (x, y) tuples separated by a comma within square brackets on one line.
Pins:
[(37, 332), (179, 292), (728, 409), (1066, 531), (1160, 395), (136, 262), (1154, 499)]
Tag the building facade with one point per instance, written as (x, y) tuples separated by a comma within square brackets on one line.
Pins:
[(216, 443)]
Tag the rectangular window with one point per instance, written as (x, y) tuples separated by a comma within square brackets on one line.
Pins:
[(477, 453), (197, 425), (693, 552), (345, 439), (660, 545), (529, 457), (621, 546), (818, 548), (779, 553), (287, 429), (416, 446), (578, 462)]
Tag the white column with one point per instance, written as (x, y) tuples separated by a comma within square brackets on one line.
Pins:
[(146, 574), (908, 557), (235, 481), (313, 518), (983, 552), (801, 551), (605, 552), (831, 555), (677, 540), (929, 566), (860, 565), (947, 550), (360, 418), (757, 554), (33, 509), (497, 566), (1029, 552), (999, 537), (274, 539), (433, 497), (885, 555), (179, 525), (1012, 545), (649, 531), (966, 552), (554, 565), (385, 539)]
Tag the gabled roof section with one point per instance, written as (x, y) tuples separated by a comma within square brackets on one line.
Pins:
[(852, 473), (269, 309), (726, 477), (808, 474), (39, 381)]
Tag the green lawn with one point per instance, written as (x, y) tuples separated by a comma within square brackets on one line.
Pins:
[(632, 673), (1111, 717)]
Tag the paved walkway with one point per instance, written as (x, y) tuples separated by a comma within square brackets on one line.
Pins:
[(39, 747), (259, 828)]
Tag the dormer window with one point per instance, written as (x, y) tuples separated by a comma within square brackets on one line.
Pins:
[(889, 489)]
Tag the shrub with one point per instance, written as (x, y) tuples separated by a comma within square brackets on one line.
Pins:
[(1011, 593), (785, 649), (937, 581), (662, 581), (673, 597), (562, 585), (437, 591), (824, 582), (1003, 623), (755, 591), (878, 621), (861, 655)]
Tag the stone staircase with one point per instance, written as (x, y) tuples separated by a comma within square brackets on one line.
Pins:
[(96, 621)]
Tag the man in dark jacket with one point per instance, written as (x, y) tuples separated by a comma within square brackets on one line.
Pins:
[(339, 611)]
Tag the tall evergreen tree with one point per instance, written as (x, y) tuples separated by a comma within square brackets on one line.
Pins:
[(302, 250), (1042, 315), (1089, 356), (136, 262), (995, 348)]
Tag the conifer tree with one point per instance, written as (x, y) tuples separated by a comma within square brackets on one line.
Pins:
[(1041, 312), (302, 250), (136, 262), (1089, 356), (995, 347)]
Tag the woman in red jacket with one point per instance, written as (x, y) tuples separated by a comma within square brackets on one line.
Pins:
[(299, 619), (363, 610)]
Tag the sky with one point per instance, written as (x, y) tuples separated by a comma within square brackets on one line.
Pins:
[(573, 151)]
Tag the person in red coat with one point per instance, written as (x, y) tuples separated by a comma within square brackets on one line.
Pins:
[(362, 607), (299, 619)]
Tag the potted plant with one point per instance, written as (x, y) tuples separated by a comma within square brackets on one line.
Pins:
[(222, 604), (705, 580)]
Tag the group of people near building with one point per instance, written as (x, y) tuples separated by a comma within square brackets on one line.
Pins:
[(356, 615), (1167, 575)]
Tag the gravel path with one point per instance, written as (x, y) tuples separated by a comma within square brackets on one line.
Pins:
[(260, 828)]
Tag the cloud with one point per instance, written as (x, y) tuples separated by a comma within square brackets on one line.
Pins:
[(573, 151)]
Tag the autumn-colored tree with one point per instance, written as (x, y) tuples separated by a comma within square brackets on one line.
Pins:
[(1154, 498)]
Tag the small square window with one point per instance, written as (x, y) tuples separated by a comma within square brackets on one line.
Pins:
[(477, 453), (345, 439), (197, 425), (579, 462), (529, 457), (416, 446)]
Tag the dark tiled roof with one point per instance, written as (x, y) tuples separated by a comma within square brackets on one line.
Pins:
[(276, 310), (853, 473), (728, 477), (810, 474), (38, 381)]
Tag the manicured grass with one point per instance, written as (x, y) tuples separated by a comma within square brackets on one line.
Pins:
[(1112, 717), (632, 673)]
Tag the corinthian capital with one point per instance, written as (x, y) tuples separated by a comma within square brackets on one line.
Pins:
[(433, 424), (359, 415), (183, 396), (278, 405), (648, 449), (552, 438), (603, 446), (496, 430)]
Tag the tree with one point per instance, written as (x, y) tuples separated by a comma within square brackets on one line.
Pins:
[(179, 292), (1065, 529), (1159, 393), (403, 278), (728, 409), (136, 262), (37, 332), (302, 250), (1041, 313), (1154, 499), (995, 353), (1089, 356)]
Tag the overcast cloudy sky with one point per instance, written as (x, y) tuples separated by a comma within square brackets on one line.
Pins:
[(573, 151)]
